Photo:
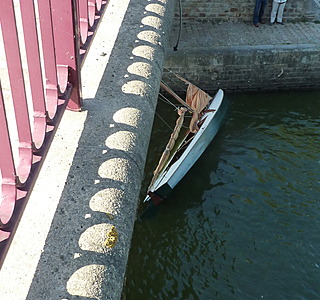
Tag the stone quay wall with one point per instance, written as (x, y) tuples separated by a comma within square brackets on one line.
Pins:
[(249, 69), (240, 57), (242, 10)]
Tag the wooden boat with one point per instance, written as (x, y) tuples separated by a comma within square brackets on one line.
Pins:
[(208, 115)]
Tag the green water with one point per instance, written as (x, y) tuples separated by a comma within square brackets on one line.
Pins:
[(245, 221)]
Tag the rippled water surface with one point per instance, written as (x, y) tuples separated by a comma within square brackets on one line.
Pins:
[(245, 221)]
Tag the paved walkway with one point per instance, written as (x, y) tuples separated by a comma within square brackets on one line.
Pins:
[(196, 35)]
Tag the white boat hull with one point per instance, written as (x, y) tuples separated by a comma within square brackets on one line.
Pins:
[(172, 175)]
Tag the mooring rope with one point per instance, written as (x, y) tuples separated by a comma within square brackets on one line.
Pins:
[(175, 48)]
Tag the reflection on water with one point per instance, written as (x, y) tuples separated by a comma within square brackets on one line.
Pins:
[(245, 221)]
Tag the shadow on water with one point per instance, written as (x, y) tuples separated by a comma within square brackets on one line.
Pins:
[(244, 222)]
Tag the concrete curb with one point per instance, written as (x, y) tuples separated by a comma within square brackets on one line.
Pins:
[(74, 238)]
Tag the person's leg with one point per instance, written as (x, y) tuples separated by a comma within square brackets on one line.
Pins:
[(263, 4), (280, 12), (256, 12), (274, 10)]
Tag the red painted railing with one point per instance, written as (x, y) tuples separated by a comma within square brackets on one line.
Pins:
[(43, 46)]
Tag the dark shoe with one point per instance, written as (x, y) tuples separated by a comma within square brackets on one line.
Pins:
[(271, 23), (256, 25), (281, 23)]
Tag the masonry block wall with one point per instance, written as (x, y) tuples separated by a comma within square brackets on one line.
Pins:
[(241, 10), (256, 68), (246, 68)]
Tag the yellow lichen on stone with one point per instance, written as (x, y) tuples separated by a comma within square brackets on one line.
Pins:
[(110, 216), (112, 237)]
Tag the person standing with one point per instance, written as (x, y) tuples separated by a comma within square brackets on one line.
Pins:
[(277, 11), (258, 12)]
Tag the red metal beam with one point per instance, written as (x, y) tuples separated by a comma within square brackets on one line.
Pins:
[(8, 173), (50, 67), (34, 70), (11, 45), (66, 39)]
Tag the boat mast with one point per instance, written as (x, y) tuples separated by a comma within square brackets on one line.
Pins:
[(170, 91)]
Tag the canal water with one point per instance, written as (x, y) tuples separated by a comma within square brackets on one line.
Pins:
[(245, 221)]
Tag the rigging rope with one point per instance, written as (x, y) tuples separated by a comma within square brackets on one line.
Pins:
[(164, 121), (175, 48), (175, 80), (167, 101)]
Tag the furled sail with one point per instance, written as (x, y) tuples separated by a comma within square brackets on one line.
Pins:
[(166, 153), (198, 100)]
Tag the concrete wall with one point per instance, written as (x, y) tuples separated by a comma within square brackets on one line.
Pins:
[(242, 10), (246, 68)]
